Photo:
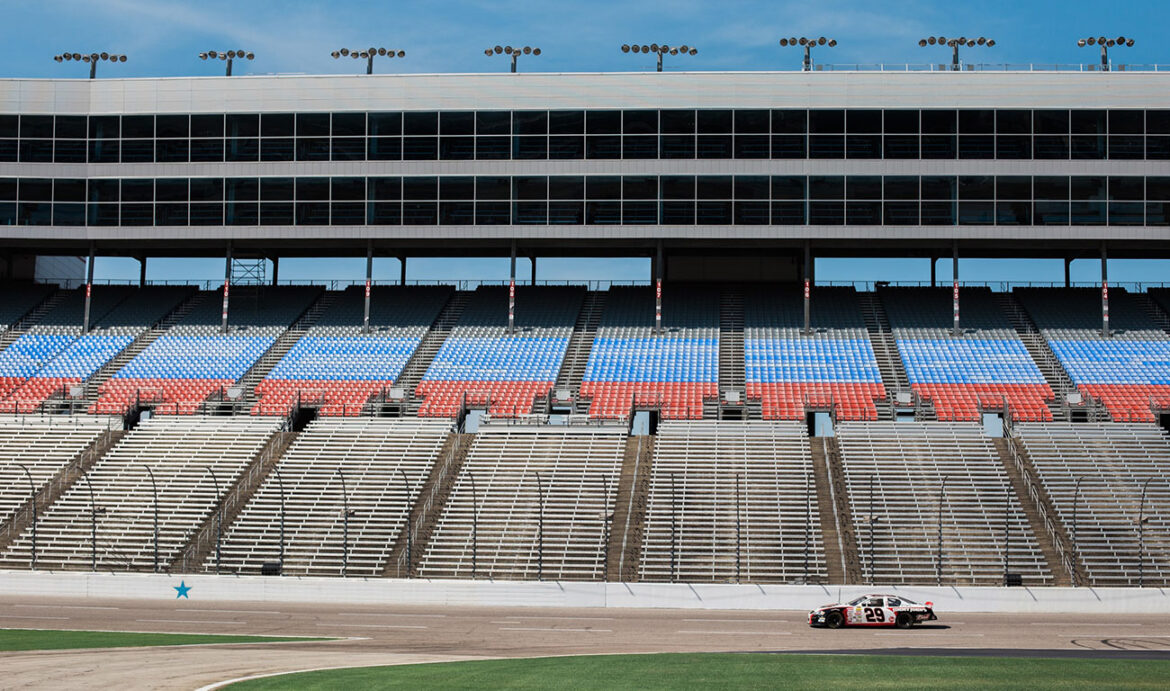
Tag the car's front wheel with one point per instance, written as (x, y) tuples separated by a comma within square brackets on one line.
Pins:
[(834, 620), (903, 621)]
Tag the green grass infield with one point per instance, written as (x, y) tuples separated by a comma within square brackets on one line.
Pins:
[(41, 639), (740, 671)]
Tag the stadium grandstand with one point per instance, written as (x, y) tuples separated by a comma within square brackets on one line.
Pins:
[(724, 418)]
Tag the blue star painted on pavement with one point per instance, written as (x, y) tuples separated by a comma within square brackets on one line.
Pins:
[(182, 587)]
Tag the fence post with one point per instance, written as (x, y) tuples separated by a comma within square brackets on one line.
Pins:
[(280, 485), (218, 518), (154, 491), (409, 532)]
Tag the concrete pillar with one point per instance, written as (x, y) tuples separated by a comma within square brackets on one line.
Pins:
[(533, 260), (658, 291), (512, 292), (933, 272), (1068, 272), (369, 279), (402, 271), (88, 290), (275, 270), (1104, 291), (807, 287), (955, 287), (227, 281), (141, 272)]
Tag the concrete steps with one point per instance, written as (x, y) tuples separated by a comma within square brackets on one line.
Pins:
[(885, 349), (1060, 575), (424, 354), (732, 376), (836, 520), (1041, 354), (624, 550), (580, 346)]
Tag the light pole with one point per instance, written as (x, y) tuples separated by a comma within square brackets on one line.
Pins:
[(369, 54), (1076, 500), (660, 50), (1106, 44), (154, 491), (955, 44), (280, 486), (345, 514), (92, 59), (32, 493), (218, 518), (514, 52), (409, 532), (227, 57), (1142, 519), (807, 44)]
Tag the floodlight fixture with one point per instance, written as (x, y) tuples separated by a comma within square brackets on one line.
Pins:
[(660, 50), (368, 54), (807, 44), (227, 56), (93, 59), (514, 53), (1106, 44), (955, 44)]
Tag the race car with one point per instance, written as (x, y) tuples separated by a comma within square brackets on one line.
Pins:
[(873, 610)]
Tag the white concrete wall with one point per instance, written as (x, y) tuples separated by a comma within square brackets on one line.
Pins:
[(381, 591)]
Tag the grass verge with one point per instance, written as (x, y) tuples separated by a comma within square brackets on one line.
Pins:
[(40, 639)]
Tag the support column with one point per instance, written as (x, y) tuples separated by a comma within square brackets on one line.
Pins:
[(402, 271), (275, 270), (807, 287), (658, 291), (227, 284), (88, 290), (1068, 272), (955, 287), (141, 272), (533, 260), (369, 278), (512, 292), (933, 272), (1104, 291)]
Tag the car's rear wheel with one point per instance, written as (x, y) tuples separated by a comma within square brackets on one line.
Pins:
[(903, 621), (834, 620)]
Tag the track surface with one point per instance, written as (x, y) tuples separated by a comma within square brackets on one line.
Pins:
[(399, 635)]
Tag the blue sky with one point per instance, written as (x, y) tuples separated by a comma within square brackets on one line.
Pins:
[(163, 37)]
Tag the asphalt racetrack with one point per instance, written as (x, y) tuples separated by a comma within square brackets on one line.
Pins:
[(373, 635)]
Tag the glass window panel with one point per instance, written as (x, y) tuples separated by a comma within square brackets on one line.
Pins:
[(384, 189), (312, 213), (678, 187), (420, 148), (1013, 122), (639, 213), (1082, 213), (1127, 147), (206, 189), (206, 150), (456, 213), (133, 190), (713, 213), (36, 190), (207, 125), (8, 189), (976, 187), (103, 151), (36, 150), (69, 214), (347, 189), (170, 214), (863, 187), (1013, 213), (1088, 122), (102, 190), (530, 212), (385, 213), (242, 150), (566, 122), (420, 123), (384, 149), (347, 149), (1088, 187), (312, 189), (494, 213), (461, 187), (900, 187), (313, 149), (530, 122), (420, 188), (789, 121), (68, 151), (863, 213), (242, 125), (1050, 147), (679, 121), (530, 147), (603, 122), (277, 149), (788, 187), (243, 189), (901, 122), (70, 190), (900, 213), (752, 122), (858, 121), (1050, 187), (137, 126), (826, 121), (348, 125), (640, 122), (976, 213), (826, 213), (788, 213), (137, 214), (566, 213), (1013, 187), (603, 187), (8, 214), (714, 121), (566, 147), (603, 213), (826, 187), (36, 126), (714, 146), (938, 213), (678, 213), (276, 189), (752, 146), (171, 190), (939, 146), (1158, 188), (713, 187), (789, 146), (641, 146), (499, 187), (207, 214), (863, 146), (1157, 214), (104, 127), (752, 213), (1013, 147), (1050, 213), (1124, 188), (976, 146), (1126, 213), (566, 187), (172, 150), (1050, 121), (603, 146), (101, 215), (10, 126), (494, 122), (1157, 148), (677, 146), (826, 146), (35, 214), (276, 214), (457, 148), (939, 121), (530, 187), (901, 146), (640, 187), (384, 124), (347, 214), (451, 122), (1157, 122), (752, 187), (976, 122), (172, 126), (1127, 122), (277, 125)]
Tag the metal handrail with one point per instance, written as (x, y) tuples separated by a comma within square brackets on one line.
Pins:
[(425, 508)]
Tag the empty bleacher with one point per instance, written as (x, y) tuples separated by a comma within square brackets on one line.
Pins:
[(1112, 461), (981, 369), (194, 359), (674, 370), (179, 451), (833, 366), (896, 475), (335, 367), (697, 527), (1128, 371), (17, 299), (383, 463), (499, 492), (482, 363)]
